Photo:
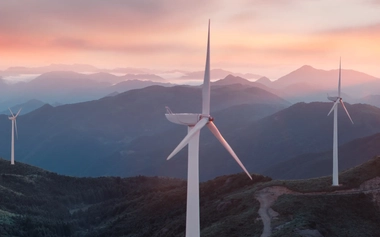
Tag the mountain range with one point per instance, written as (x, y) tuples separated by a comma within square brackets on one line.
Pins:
[(76, 139), (305, 84), (260, 144), (312, 165), (72, 87), (217, 74), (84, 68), (127, 134), (26, 107), (111, 127), (102, 136)]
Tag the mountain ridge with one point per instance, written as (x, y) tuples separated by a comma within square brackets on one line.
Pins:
[(95, 130)]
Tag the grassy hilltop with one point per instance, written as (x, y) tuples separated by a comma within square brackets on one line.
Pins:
[(34, 202)]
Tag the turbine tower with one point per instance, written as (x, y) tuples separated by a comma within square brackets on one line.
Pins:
[(195, 123), (336, 99), (14, 124)]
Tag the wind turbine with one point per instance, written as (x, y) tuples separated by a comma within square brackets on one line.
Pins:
[(195, 123), (14, 124), (336, 99)]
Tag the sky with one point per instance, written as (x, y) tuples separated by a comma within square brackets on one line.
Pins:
[(266, 37)]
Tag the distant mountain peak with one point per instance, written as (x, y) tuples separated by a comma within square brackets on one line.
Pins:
[(231, 79), (264, 80), (61, 73), (321, 80), (306, 67)]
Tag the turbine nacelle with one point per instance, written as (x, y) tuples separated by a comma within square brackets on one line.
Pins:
[(338, 99), (187, 119), (13, 117), (333, 98)]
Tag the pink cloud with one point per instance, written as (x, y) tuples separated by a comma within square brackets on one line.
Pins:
[(132, 48), (46, 16), (360, 31)]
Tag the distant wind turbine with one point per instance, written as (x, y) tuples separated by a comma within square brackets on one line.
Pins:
[(336, 99), (195, 123), (14, 124)]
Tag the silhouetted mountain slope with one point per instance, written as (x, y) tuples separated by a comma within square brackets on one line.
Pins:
[(50, 68), (313, 165), (136, 84), (299, 129), (147, 154), (112, 94), (73, 87), (2, 83), (235, 93), (323, 78), (265, 81), (231, 80), (81, 68), (371, 100), (3, 89), (308, 84), (217, 73), (26, 107), (151, 77), (35, 202), (60, 79), (104, 77), (71, 139), (364, 89)]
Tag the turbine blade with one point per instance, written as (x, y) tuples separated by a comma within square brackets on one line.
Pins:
[(11, 112), (16, 128), (206, 80), (344, 107), (340, 63), (18, 112), (201, 123), (333, 107), (219, 136)]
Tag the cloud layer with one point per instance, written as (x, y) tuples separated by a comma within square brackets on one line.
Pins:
[(171, 34)]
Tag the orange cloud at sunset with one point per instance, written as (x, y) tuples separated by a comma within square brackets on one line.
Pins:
[(263, 37)]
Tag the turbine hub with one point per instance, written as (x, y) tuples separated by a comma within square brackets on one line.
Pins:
[(210, 119)]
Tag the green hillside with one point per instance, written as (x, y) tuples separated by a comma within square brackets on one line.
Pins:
[(34, 202)]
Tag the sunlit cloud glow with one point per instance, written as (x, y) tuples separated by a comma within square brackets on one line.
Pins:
[(263, 37)]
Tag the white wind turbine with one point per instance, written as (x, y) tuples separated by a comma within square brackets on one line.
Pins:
[(336, 100), (14, 124), (195, 123)]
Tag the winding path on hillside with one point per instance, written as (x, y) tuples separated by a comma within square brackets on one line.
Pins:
[(267, 196)]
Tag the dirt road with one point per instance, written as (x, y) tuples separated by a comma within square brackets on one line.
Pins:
[(269, 195)]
